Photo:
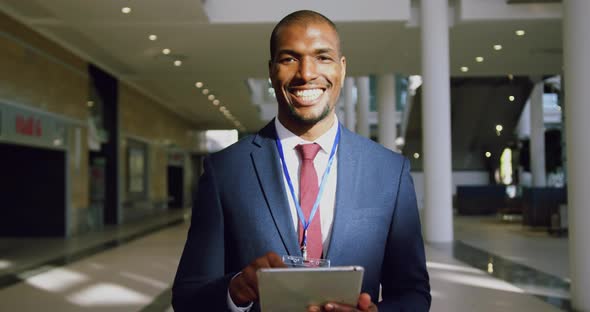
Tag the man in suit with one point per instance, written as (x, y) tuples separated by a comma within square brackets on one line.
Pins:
[(247, 212)]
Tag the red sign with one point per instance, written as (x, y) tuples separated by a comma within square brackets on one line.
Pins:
[(29, 126)]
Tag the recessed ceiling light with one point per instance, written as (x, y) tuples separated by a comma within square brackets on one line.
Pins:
[(416, 155), (166, 51), (153, 37), (464, 69), (211, 97), (126, 10), (499, 128), (199, 84), (511, 98), (222, 109), (177, 63), (497, 47), (520, 32), (205, 91), (488, 154), (479, 59), (216, 102)]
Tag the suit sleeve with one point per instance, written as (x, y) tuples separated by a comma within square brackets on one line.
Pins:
[(201, 282), (404, 278)]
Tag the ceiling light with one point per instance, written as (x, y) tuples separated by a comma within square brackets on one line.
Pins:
[(222, 109), (479, 59), (464, 69), (211, 97), (520, 32), (499, 128), (199, 84), (216, 102), (126, 10), (205, 91), (166, 51), (497, 47), (510, 76), (177, 63), (153, 37), (90, 103), (488, 154), (416, 155), (511, 98)]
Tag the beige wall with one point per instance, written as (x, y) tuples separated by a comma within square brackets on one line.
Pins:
[(141, 117), (38, 73)]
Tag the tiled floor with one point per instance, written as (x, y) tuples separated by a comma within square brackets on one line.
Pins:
[(515, 242), (460, 287), (19, 255), (125, 278), (137, 275)]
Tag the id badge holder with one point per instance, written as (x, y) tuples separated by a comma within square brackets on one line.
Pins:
[(300, 262)]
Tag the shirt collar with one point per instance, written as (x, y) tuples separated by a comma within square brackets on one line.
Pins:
[(289, 140)]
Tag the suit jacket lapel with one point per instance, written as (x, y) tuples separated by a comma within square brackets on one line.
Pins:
[(268, 169), (346, 197)]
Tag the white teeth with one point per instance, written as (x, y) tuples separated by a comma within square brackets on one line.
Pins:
[(309, 95)]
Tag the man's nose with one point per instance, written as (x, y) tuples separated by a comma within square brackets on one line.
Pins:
[(307, 69)]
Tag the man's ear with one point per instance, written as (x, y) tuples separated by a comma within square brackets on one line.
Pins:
[(343, 69)]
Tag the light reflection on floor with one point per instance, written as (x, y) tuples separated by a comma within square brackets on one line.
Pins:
[(106, 294), (551, 289), (5, 264)]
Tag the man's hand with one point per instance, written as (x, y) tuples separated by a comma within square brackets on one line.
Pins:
[(364, 304), (243, 289)]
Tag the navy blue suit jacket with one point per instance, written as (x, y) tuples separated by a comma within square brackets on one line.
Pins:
[(241, 212)]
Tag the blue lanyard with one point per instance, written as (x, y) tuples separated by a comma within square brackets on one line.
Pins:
[(306, 223)]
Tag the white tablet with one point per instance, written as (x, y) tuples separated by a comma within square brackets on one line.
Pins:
[(293, 289)]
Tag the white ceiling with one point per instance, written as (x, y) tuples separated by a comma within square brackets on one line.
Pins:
[(224, 55)]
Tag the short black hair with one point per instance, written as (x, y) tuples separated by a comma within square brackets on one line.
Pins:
[(299, 17)]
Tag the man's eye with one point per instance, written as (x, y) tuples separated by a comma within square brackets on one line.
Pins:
[(324, 58), (287, 60)]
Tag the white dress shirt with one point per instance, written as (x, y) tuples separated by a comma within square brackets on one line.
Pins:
[(293, 161), (320, 162)]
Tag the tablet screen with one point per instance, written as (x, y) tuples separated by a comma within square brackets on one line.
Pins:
[(293, 289)]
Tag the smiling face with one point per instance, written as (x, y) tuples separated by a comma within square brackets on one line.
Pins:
[(307, 72)]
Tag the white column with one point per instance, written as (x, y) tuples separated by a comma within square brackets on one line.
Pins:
[(523, 128), (576, 48), (537, 146), (362, 108), (340, 110), (386, 107), (436, 122), (349, 113)]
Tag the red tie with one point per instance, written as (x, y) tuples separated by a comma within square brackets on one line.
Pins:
[(308, 192)]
